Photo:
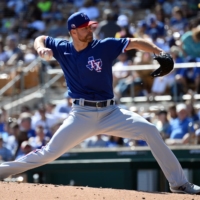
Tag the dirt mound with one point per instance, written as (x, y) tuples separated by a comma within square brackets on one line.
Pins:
[(28, 191)]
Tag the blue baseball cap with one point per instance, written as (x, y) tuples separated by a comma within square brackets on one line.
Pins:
[(79, 20)]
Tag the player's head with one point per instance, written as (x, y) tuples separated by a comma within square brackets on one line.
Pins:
[(79, 26)]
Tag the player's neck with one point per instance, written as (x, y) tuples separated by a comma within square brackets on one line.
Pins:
[(79, 46)]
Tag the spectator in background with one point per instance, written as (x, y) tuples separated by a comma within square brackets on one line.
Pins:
[(21, 137), (5, 11), (12, 51), (29, 54), (41, 118), (114, 6), (159, 41), (172, 113), (59, 28), (25, 124), (123, 21), (25, 108), (44, 5), (181, 127), (40, 139), (192, 113), (178, 23), (56, 126), (154, 24), (53, 14), (140, 31), (33, 10), (108, 27), (96, 141), (50, 108), (122, 62), (115, 141), (128, 5), (126, 86), (5, 154), (50, 111), (162, 123), (190, 77), (77, 3), (37, 24), (90, 9), (12, 141), (16, 5), (176, 89), (25, 148), (25, 31), (127, 31), (160, 13), (63, 109), (190, 43), (177, 55), (168, 6), (147, 4), (160, 85), (190, 8)]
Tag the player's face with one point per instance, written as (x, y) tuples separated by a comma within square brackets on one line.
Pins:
[(85, 34)]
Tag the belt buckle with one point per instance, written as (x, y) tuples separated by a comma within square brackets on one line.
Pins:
[(97, 104)]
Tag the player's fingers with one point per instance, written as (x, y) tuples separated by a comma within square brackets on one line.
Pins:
[(41, 51), (50, 53), (44, 54)]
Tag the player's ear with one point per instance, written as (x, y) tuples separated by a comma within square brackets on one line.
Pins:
[(73, 32)]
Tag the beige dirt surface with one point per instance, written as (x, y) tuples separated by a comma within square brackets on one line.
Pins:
[(29, 191)]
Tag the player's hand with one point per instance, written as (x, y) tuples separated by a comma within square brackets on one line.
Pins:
[(45, 53)]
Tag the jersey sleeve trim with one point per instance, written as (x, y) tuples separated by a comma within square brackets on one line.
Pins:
[(127, 43)]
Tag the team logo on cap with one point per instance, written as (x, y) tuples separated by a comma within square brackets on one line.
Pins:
[(84, 15), (73, 26), (94, 64)]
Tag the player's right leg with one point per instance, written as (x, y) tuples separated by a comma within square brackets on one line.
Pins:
[(124, 123), (78, 126)]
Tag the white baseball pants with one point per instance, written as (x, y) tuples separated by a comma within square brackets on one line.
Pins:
[(84, 122)]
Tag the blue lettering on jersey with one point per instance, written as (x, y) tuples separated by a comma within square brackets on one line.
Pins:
[(94, 64)]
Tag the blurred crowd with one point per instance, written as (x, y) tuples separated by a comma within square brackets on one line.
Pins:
[(32, 128), (173, 25)]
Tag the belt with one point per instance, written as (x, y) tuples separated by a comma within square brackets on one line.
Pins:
[(98, 104)]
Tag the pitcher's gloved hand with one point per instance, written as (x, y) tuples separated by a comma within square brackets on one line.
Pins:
[(166, 64)]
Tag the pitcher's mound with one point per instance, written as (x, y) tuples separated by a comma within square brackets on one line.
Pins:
[(29, 191)]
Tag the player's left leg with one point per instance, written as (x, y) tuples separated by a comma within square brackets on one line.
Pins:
[(123, 123), (80, 125)]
